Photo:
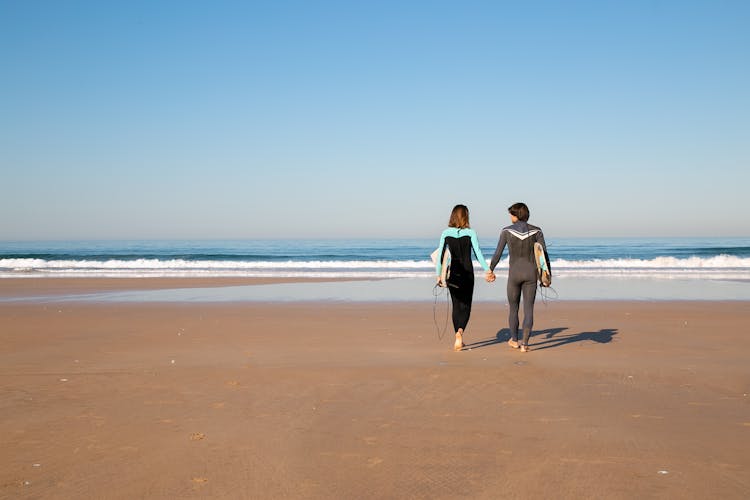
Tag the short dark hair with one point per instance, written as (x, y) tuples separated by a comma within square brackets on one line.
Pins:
[(519, 210)]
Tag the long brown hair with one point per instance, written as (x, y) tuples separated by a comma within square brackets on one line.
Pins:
[(459, 217)]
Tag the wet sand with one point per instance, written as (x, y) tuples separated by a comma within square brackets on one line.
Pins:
[(616, 400), (30, 287)]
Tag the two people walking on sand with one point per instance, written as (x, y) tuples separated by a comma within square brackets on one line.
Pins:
[(459, 240)]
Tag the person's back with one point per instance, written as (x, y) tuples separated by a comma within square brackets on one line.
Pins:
[(459, 243), (520, 238), (460, 240)]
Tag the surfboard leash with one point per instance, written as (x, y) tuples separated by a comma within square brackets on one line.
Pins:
[(544, 292), (437, 291)]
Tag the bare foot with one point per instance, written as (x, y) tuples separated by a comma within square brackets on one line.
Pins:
[(524, 348), (513, 344), (459, 341)]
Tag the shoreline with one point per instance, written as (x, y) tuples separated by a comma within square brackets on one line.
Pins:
[(64, 286), (356, 290)]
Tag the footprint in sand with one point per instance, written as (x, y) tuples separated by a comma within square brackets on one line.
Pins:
[(199, 481), (372, 462), (233, 383), (197, 436), (218, 406)]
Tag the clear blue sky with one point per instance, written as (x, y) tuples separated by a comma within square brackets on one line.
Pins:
[(153, 119)]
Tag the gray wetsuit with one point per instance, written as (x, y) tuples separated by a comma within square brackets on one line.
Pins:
[(522, 274)]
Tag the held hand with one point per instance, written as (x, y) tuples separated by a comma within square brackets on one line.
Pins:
[(489, 276), (440, 282)]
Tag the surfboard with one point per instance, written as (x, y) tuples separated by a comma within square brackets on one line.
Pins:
[(542, 268), (446, 269)]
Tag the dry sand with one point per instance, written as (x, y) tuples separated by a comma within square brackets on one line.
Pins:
[(616, 400)]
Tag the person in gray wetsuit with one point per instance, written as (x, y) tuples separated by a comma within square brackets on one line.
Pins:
[(520, 237)]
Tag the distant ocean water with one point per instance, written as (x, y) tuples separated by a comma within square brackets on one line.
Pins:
[(701, 258)]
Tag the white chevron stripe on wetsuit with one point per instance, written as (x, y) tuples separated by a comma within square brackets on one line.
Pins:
[(522, 236)]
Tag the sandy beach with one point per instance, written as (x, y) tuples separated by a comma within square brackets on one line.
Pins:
[(617, 399)]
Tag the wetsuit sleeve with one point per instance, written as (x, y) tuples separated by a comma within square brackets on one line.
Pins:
[(498, 251), (478, 251), (540, 239), (439, 261)]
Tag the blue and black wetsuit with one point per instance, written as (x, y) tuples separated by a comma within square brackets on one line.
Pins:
[(522, 273), (460, 242)]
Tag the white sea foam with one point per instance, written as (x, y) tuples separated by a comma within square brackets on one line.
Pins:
[(180, 264), (717, 262), (720, 267)]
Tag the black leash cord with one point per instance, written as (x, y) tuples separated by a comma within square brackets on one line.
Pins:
[(437, 292), (546, 297)]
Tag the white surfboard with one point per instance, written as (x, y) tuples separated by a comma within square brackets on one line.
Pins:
[(542, 268)]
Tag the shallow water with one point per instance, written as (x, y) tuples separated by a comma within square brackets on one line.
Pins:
[(422, 289)]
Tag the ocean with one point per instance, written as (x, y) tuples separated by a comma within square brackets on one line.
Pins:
[(682, 258)]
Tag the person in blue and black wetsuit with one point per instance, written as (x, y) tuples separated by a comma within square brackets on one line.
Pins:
[(460, 240), (520, 237)]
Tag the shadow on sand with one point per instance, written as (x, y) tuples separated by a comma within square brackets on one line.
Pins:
[(549, 338), (603, 336)]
